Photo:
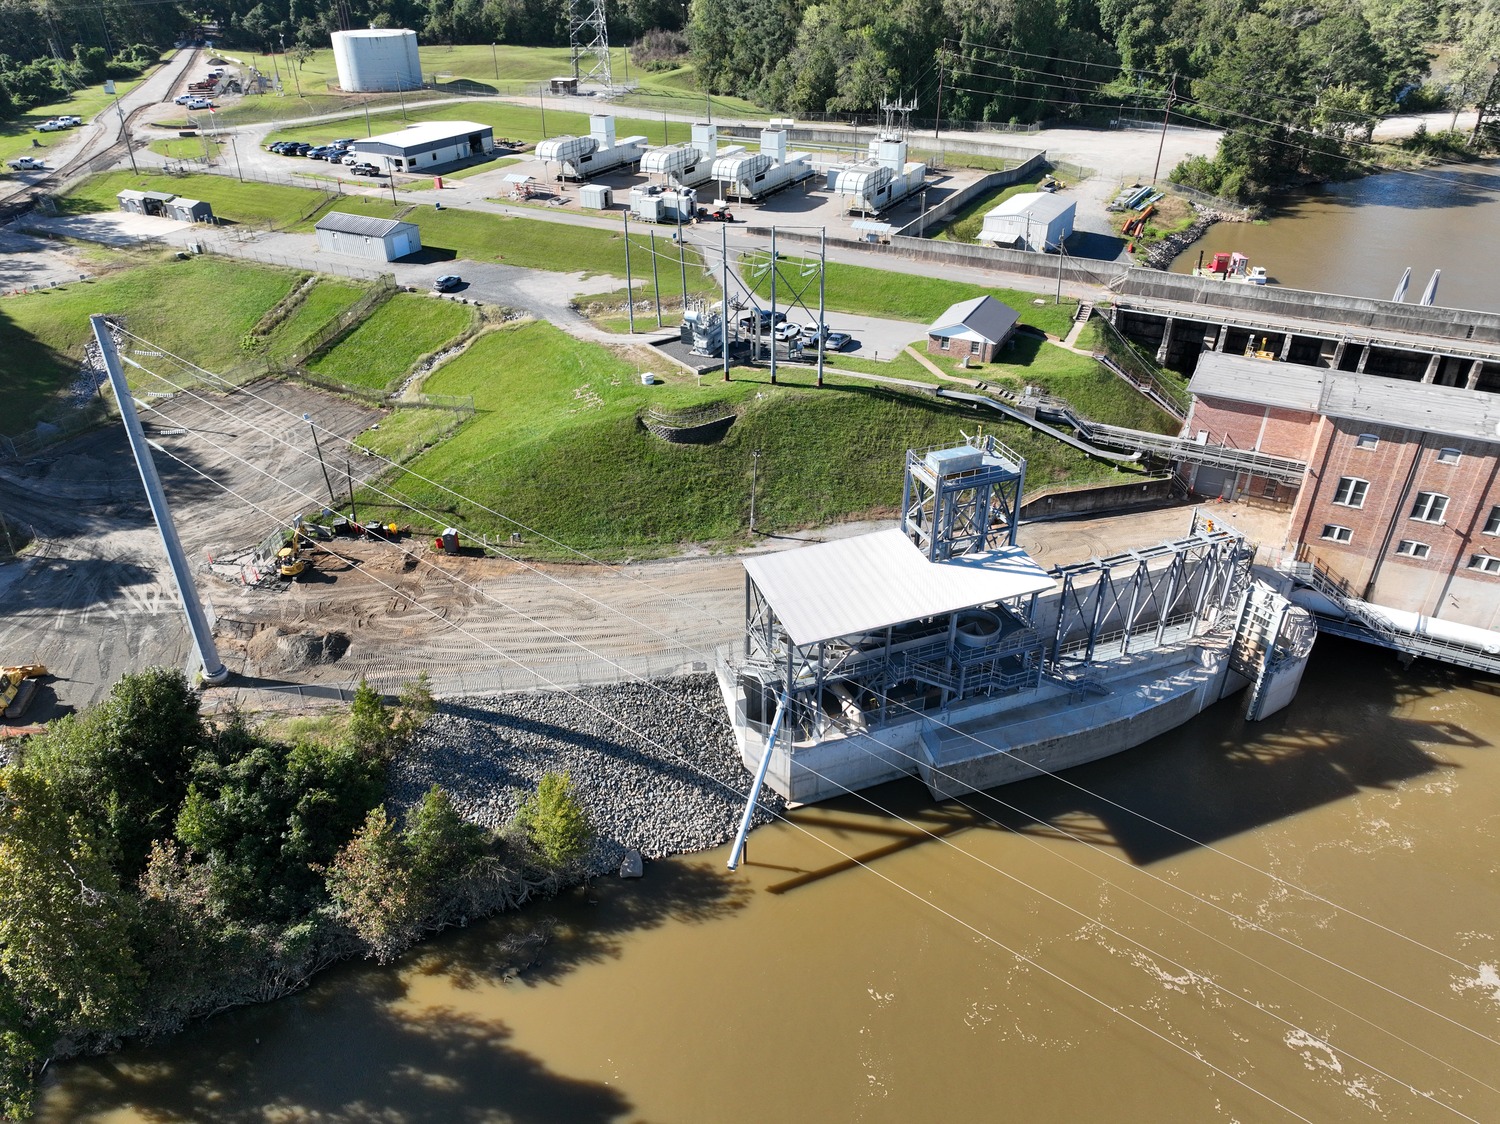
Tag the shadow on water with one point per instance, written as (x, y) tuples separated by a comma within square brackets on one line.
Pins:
[(1215, 777), (361, 1046), (1449, 185)]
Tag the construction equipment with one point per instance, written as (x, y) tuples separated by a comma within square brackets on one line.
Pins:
[(289, 560), (18, 685)]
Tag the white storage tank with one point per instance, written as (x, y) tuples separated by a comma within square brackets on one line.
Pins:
[(377, 60)]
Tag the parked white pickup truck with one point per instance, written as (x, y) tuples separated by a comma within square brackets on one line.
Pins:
[(25, 164)]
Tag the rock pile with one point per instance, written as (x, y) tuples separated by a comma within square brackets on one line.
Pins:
[(654, 763)]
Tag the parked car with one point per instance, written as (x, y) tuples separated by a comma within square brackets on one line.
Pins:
[(200, 103), (837, 341), (49, 127), (70, 121), (322, 152), (749, 317), (183, 99), (447, 283), (298, 149), (344, 142), (788, 332), (352, 158), (365, 170), (25, 164), (277, 147)]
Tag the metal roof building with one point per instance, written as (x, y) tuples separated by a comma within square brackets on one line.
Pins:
[(428, 146), (977, 328), (849, 587), (365, 236), (1032, 220)]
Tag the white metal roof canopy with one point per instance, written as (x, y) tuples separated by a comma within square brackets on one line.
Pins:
[(852, 586)]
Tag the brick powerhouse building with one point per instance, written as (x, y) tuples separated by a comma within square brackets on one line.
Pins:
[(1401, 497)]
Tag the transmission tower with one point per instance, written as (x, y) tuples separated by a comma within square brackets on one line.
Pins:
[(589, 38)]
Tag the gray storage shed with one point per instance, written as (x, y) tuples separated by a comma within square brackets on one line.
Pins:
[(189, 210), (364, 236), (144, 202)]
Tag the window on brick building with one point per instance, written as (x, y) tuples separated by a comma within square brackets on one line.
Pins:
[(1413, 549), (1484, 563), (1334, 533), (1492, 524), (943, 343), (1351, 491), (1448, 456), (1430, 507), (974, 346), (1366, 441)]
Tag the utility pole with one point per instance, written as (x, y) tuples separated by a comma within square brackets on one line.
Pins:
[(937, 122), (494, 55), (655, 279), (349, 475), (109, 88), (214, 670), (332, 499), (822, 274), (773, 311), (681, 252), (1165, 117), (541, 100), (401, 93), (724, 300), (1058, 298), (368, 132), (629, 284)]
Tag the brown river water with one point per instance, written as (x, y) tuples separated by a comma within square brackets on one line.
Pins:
[(1042, 954), (1358, 237)]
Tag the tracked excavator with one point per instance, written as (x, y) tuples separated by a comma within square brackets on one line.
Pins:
[(17, 687)]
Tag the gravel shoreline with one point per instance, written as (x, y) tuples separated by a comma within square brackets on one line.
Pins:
[(654, 762)]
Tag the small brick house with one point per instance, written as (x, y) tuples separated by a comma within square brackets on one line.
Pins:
[(975, 329)]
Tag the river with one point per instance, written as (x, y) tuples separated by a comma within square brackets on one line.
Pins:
[(913, 962), (1359, 236)]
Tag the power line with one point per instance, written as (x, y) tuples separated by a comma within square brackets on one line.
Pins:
[(585, 648), (969, 736)]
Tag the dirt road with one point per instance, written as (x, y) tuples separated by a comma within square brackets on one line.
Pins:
[(94, 599)]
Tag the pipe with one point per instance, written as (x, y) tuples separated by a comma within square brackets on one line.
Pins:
[(738, 850)]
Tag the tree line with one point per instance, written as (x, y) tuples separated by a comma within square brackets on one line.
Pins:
[(156, 867)]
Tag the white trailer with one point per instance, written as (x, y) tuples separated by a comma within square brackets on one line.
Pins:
[(579, 158), (755, 175), (882, 179)]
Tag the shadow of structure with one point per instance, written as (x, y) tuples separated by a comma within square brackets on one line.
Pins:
[(361, 1046), (1213, 778)]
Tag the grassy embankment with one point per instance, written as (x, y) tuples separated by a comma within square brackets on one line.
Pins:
[(463, 71), (43, 334), (17, 133), (556, 431), (385, 345), (1172, 214)]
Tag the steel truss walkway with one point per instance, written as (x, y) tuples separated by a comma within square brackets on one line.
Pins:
[(1362, 623)]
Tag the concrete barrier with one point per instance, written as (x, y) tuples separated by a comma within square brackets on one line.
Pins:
[(1090, 499)]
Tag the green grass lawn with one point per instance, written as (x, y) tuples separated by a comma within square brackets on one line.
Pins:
[(199, 309), (409, 431), (261, 204), (186, 148), (17, 133), (386, 345), (327, 299), (969, 221), (556, 445), (906, 296)]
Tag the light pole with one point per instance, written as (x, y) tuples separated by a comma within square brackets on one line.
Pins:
[(496, 57), (541, 100)]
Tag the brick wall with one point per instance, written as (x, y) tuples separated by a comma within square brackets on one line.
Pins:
[(1400, 466)]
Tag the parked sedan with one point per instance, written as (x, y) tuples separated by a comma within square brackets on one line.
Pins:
[(447, 283), (837, 341)]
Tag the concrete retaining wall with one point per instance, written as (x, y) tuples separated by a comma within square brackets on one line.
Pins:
[(959, 199), (1055, 502), (858, 139)]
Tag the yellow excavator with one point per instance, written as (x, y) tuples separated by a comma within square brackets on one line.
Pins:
[(289, 560), (17, 686)]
